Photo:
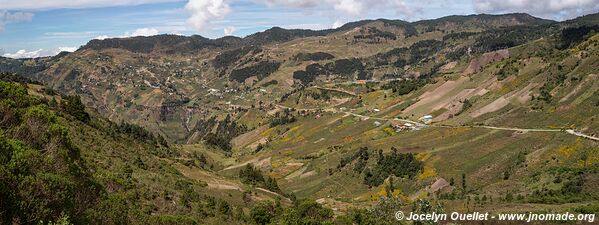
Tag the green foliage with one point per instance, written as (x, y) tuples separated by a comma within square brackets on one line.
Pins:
[(166, 43), (311, 72), (423, 206), (261, 70), (264, 212), (465, 106), (403, 87), (302, 212), (545, 95), (588, 209), (507, 69), (347, 68), (313, 56), (508, 37), (361, 156), (15, 95), (381, 213), (570, 190), (459, 36), (219, 133), (62, 220), (374, 35), (306, 212), (423, 49), (253, 176), (269, 83), (282, 118), (139, 133), (228, 58), (350, 69), (397, 164), (457, 54), (73, 106), (464, 182), (45, 178), (40, 162), (218, 141), (40, 113), (571, 36), (277, 34), (12, 69), (13, 77), (400, 57)]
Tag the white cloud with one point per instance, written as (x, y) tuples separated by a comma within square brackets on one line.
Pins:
[(67, 49), (228, 31), (293, 3), (557, 9), (351, 7), (38, 53), (311, 26), (203, 11), (348, 7), (102, 37), (8, 17), (56, 4), (70, 35), (337, 24), (24, 54), (144, 32)]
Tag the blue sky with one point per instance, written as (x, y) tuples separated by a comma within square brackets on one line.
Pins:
[(30, 28)]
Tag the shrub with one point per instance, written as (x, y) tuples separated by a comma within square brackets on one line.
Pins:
[(261, 70), (253, 176), (402, 87), (73, 106), (397, 164), (315, 56)]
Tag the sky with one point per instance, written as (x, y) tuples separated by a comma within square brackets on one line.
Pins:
[(34, 28)]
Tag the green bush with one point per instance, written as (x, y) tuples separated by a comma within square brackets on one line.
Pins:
[(253, 176), (73, 106), (397, 164)]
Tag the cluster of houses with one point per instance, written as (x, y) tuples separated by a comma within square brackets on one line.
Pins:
[(399, 126)]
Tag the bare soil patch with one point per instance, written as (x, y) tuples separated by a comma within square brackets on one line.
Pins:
[(477, 64)]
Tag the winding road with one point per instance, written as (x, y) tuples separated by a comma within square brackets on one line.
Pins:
[(569, 131), (573, 132)]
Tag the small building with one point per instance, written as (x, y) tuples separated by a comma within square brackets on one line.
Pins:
[(377, 123), (398, 127), (426, 119)]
